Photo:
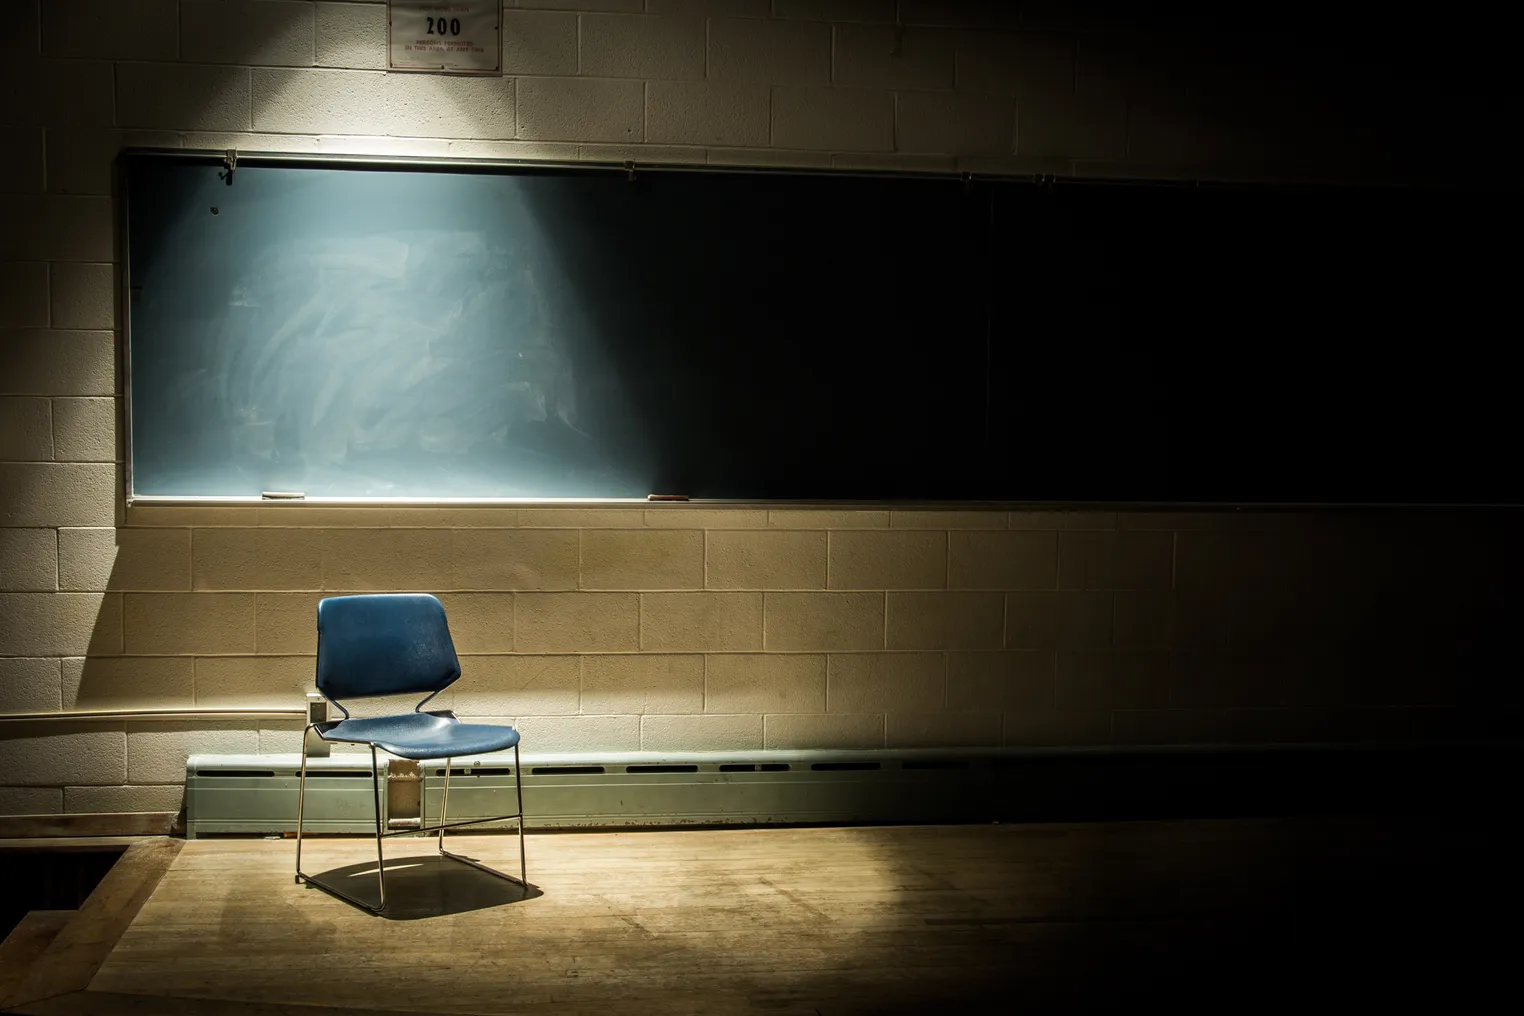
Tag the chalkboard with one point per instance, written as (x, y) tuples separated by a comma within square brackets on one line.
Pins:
[(426, 330)]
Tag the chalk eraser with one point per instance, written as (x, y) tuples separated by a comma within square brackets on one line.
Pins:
[(666, 497)]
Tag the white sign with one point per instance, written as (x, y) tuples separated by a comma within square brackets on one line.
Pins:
[(430, 35)]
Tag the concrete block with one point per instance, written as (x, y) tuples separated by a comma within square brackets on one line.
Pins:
[(57, 494), (769, 52), (351, 35), (580, 109), (82, 162), (765, 559), (1058, 620), (1016, 63), (642, 559), (647, 46), (28, 560), (954, 123), (539, 43), (387, 560), (467, 517), (277, 33), (58, 93), (93, 560), (1112, 680), (26, 429), (29, 685), (826, 518), (1120, 560), (855, 119), (23, 40), (765, 683), (518, 685), (940, 620), (908, 559), (1065, 126), (440, 106), (1063, 520), (619, 683), (683, 517), (1000, 682), (94, 753), (1143, 620), (37, 362), (707, 113), (82, 296), (158, 750), (21, 172), (182, 97), (804, 622), (317, 101), (773, 157), (481, 622), (577, 622), (528, 150), (117, 800), (60, 624), (253, 682), (959, 13), (183, 623), (957, 519), (823, 730), (282, 737), (257, 559), (128, 682), (712, 8), (56, 227), (886, 682), (251, 142), (1057, 728), (23, 296), (888, 56), (297, 515), (493, 559), (172, 517), (1002, 560), (622, 6), (111, 29), (836, 10), (286, 623), (700, 622), (85, 430), (31, 800), (943, 730), (579, 733), (711, 732)]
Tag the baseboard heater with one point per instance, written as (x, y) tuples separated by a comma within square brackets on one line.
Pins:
[(256, 794)]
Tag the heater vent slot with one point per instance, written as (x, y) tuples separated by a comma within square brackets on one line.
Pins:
[(258, 773), (478, 771), (567, 770)]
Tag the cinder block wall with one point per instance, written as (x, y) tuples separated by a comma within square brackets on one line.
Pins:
[(680, 627)]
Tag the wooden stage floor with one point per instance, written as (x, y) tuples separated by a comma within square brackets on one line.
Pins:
[(1229, 915)]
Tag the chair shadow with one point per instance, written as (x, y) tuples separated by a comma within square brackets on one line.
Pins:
[(426, 885)]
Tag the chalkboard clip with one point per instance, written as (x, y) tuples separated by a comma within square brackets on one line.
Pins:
[(666, 497), (629, 171), (282, 495), (231, 162)]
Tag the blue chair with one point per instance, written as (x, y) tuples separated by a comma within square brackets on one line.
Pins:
[(393, 644)]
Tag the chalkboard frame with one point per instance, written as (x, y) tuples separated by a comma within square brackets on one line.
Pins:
[(231, 161)]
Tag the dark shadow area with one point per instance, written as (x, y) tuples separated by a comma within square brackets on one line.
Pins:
[(49, 879), (426, 885)]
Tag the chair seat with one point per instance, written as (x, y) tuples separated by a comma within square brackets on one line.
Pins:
[(423, 735)]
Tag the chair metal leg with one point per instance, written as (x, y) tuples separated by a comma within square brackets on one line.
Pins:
[(301, 876), (518, 788), (444, 819)]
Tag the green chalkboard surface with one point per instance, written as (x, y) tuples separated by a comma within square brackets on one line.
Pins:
[(428, 330)]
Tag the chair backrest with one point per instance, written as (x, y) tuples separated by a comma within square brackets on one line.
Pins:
[(383, 644)]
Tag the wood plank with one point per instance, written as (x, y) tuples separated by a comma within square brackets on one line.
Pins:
[(127, 823), (74, 955), (27, 940)]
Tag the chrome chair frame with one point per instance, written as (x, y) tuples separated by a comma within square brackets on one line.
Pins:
[(381, 834)]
